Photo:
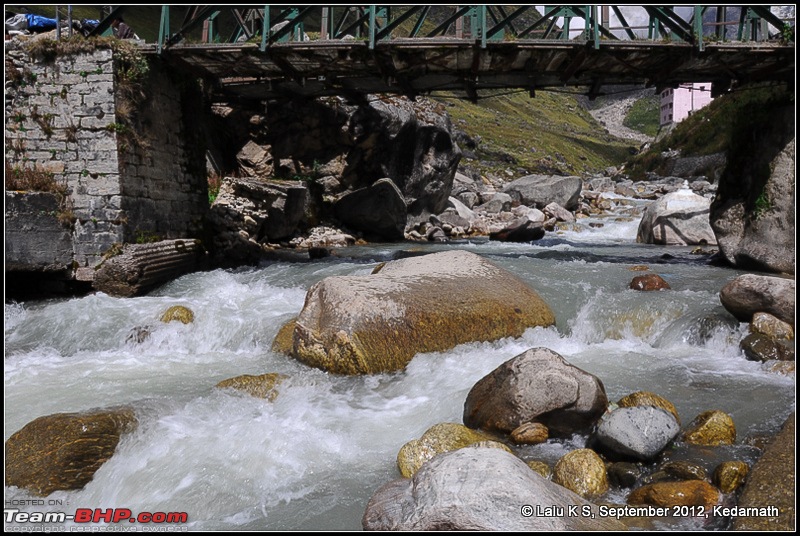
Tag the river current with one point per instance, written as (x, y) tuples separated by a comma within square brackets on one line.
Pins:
[(311, 459)]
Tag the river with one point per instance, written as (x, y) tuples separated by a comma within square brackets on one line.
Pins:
[(311, 459)]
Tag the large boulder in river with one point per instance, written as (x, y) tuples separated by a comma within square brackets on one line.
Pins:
[(753, 212), (409, 142), (378, 322), (750, 293), (539, 191), (63, 451), (536, 386), (379, 210), (250, 211), (483, 489), (678, 219)]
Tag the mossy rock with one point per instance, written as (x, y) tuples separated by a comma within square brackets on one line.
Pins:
[(684, 493), (730, 475), (179, 313), (443, 437), (530, 433), (63, 451), (285, 338), (711, 428), (540, 467), (583, 472), (430, 303), (261, 386), (646, 398), (766, 324)]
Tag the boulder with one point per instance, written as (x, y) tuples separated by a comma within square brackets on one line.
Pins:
[(530, 433), (409, 142), (499, 202), (377, 323), (540, 467), (536, 386), (519, 230), (583, 472), (646, 398), (710, 428), (260, 386), (753, 212), (758, 347), (750, 293), (683, 470), (624, 474), (683, 493), (771, 482), (437, 439), (649, 282), (63, 451), (479, 489), (378, 210), (540, 190), (461, 209), (677, 219), (559, 213), (182, 314), (729, 476), (249, 211), (639, 432), (766, 324)]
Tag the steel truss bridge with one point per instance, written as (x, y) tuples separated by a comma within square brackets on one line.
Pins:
[(261, 52)]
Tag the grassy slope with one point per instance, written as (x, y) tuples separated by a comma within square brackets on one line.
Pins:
[(549, 133), (712, 129)]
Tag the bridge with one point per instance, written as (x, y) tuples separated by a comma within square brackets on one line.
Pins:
[(272, 51)]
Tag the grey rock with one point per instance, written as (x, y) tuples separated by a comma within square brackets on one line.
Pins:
[(639, 432), (478, 488), (750, 293), (540, 190), (520, 230), (499, 202), (536, 386), (678, 218), (753, 214), (377, 210), (559, 212)]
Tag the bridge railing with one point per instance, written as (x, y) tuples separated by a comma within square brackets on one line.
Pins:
[(268, 25)]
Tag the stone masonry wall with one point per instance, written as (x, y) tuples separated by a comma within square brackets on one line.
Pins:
[(163, 176), (65, 116)]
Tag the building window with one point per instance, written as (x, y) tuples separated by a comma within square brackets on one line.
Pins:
[(670, 117)]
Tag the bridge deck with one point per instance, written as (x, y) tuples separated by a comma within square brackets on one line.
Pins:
[(419, 66)]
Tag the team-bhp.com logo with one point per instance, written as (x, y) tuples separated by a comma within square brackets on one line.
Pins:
[(95, 515)]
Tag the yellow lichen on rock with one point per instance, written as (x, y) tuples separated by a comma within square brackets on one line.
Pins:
[(261, 386), (178, 312), (377, 323), (63, 451), (439, 438)]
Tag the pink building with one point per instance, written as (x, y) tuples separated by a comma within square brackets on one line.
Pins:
[(679, 103)]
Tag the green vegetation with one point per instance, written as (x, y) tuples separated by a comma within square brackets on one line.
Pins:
[(551, 133), (644, 116), (762, 205), (214, 182), (715, 128)]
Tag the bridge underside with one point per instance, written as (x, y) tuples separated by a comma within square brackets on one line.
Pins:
[(422, 66)]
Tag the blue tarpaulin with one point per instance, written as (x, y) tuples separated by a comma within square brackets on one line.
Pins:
[(37, 23)]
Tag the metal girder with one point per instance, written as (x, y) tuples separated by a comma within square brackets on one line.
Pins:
[(377, 23)]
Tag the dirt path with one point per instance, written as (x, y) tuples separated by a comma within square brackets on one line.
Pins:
[(612, 114)]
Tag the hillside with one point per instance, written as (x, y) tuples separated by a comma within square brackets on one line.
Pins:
[(511, 134), (714, 128)]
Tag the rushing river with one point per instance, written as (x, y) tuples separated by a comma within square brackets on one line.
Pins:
[(311, 459)]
